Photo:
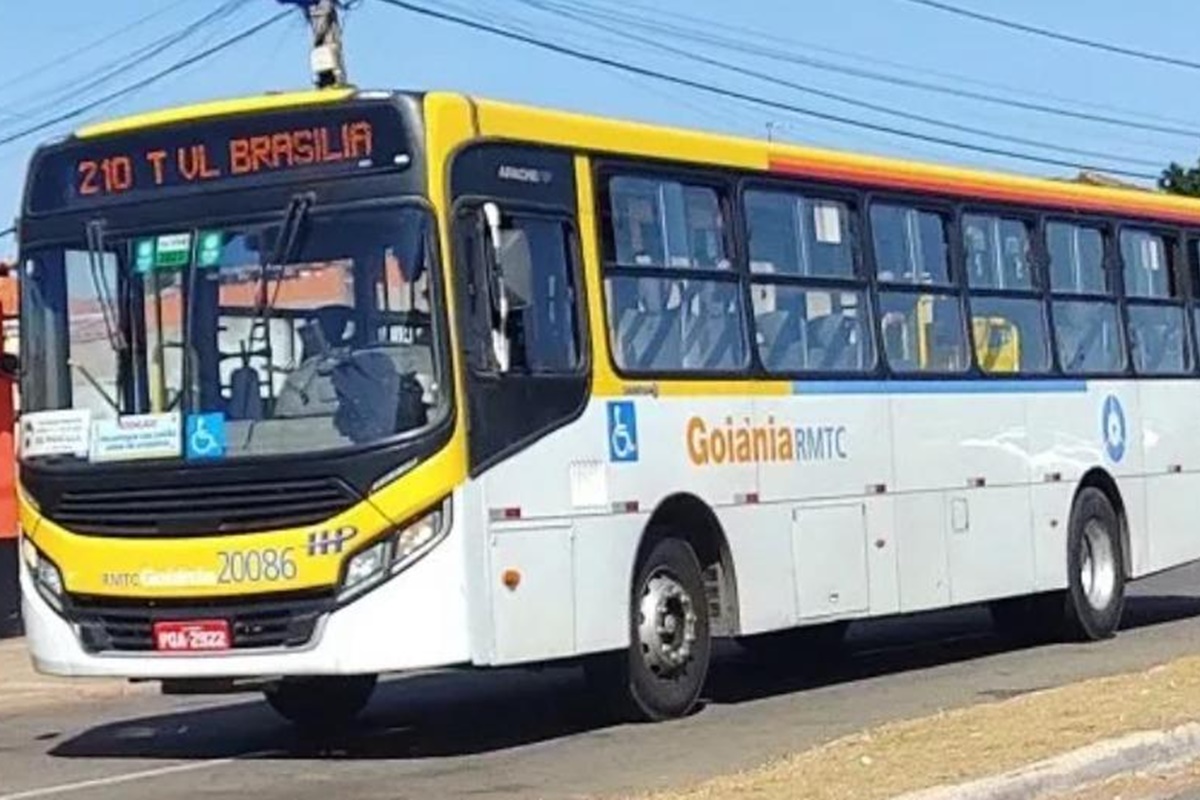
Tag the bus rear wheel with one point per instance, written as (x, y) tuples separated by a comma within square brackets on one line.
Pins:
[(662, 673), (316, 704), (1095, 568)]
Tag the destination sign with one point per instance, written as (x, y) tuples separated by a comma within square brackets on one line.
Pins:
[(270, 147)]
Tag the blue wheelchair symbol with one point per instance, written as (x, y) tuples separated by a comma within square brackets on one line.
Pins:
[(206, 436), (622, 432), (1115, 433)]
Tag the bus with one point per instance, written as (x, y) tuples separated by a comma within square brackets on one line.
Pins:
[(323, 386)]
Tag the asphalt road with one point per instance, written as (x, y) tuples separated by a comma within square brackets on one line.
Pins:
[(533, 735)]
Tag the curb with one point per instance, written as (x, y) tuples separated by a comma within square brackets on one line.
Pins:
[(1092, 764)]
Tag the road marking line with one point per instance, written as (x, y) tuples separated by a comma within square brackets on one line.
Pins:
[(131, 777)]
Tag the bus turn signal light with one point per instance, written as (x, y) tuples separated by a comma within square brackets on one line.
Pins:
[(511, 579)]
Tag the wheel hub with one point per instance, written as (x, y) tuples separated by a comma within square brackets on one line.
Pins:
[(1097, 566), (666, 626)]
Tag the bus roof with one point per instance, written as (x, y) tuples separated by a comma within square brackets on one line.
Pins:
[(499, 119)]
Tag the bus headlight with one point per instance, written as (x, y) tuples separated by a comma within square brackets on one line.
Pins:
[(46, 575), (386, 557)]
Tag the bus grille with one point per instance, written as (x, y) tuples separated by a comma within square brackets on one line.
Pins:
[(124, 626), (198, 509)]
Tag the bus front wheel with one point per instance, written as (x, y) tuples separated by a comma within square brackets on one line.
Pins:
[(662, 673), (317, 704)]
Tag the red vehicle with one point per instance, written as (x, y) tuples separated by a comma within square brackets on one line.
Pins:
[(10, 603)]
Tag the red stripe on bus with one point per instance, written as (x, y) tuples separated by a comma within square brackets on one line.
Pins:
[(965, 189)]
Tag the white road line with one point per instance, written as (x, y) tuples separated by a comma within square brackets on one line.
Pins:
[(131, 777)]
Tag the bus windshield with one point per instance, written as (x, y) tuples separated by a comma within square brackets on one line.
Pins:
[(312, 332)]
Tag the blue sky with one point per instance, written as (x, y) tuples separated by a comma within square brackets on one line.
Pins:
[(46, 48)]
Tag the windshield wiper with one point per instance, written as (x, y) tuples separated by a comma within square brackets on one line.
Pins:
[(90, 378), (108, 308), (285, 247), (109, 311)]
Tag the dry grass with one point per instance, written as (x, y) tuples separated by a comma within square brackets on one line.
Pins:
[(971, 742)]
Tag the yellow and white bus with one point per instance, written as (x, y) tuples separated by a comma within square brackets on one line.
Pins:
[(323, 386)]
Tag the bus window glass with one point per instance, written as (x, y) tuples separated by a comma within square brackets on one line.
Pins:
[(997, 252), (660, 223), (812, 330), (537, 265), (1010, 334), (677, 325), (75, 339), (1158, 340), (1089, 337), (1147, 263), (911, 245), (1076, 259), (798, 236), (923, 332)]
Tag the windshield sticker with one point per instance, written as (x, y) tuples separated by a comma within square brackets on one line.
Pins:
[(206, 436), (133, 438), (209, 246), (56, 433), (143, 254), (173, 251)]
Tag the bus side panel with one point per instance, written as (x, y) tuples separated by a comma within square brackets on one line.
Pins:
[(839, 449), (1171, 444), (972, 449), (1068, 439)]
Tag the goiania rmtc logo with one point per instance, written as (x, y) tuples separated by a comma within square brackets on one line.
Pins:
[(743, 442)]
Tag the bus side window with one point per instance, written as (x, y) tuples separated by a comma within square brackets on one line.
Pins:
[(1158, 340), (1008, 319), (537, 265), (921, 314), (1087, 326)]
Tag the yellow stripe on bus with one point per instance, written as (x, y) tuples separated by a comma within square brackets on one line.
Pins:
[(216, 108)]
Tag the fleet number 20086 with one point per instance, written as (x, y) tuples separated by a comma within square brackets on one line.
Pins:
[(270, 565)]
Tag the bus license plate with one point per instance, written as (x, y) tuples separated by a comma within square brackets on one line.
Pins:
[(201, 636)]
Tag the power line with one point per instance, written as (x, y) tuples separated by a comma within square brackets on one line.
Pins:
[(837, 96), (147, 81), (1180, 128), (647, 72), (758, 36), (131, 61), (1046, 33), (75, 54)]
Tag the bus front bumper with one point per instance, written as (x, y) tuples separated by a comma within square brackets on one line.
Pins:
[(417, 620)]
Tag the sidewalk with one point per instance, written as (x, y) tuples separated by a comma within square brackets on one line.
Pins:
[(22, 689), (1056, 740)]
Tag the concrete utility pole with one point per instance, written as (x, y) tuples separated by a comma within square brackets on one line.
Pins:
[(327, 60)]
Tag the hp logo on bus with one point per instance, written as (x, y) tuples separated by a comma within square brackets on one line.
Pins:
[(330, 543)]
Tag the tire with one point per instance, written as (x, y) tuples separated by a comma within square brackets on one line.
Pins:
[(1095, 597), (320, 704), (812, 646), (662, 673)]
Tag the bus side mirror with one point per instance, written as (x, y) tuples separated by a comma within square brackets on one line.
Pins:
[(501, 347)]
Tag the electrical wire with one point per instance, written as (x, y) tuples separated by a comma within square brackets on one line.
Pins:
[(1046, 33), (131, 61), (757, 37), (677, 80), (1166, 125), (125, 91), (880, 108), (83, 50)]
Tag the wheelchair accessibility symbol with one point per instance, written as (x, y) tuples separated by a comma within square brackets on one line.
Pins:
[(206, 436), (622, 432), (1114, 429)]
